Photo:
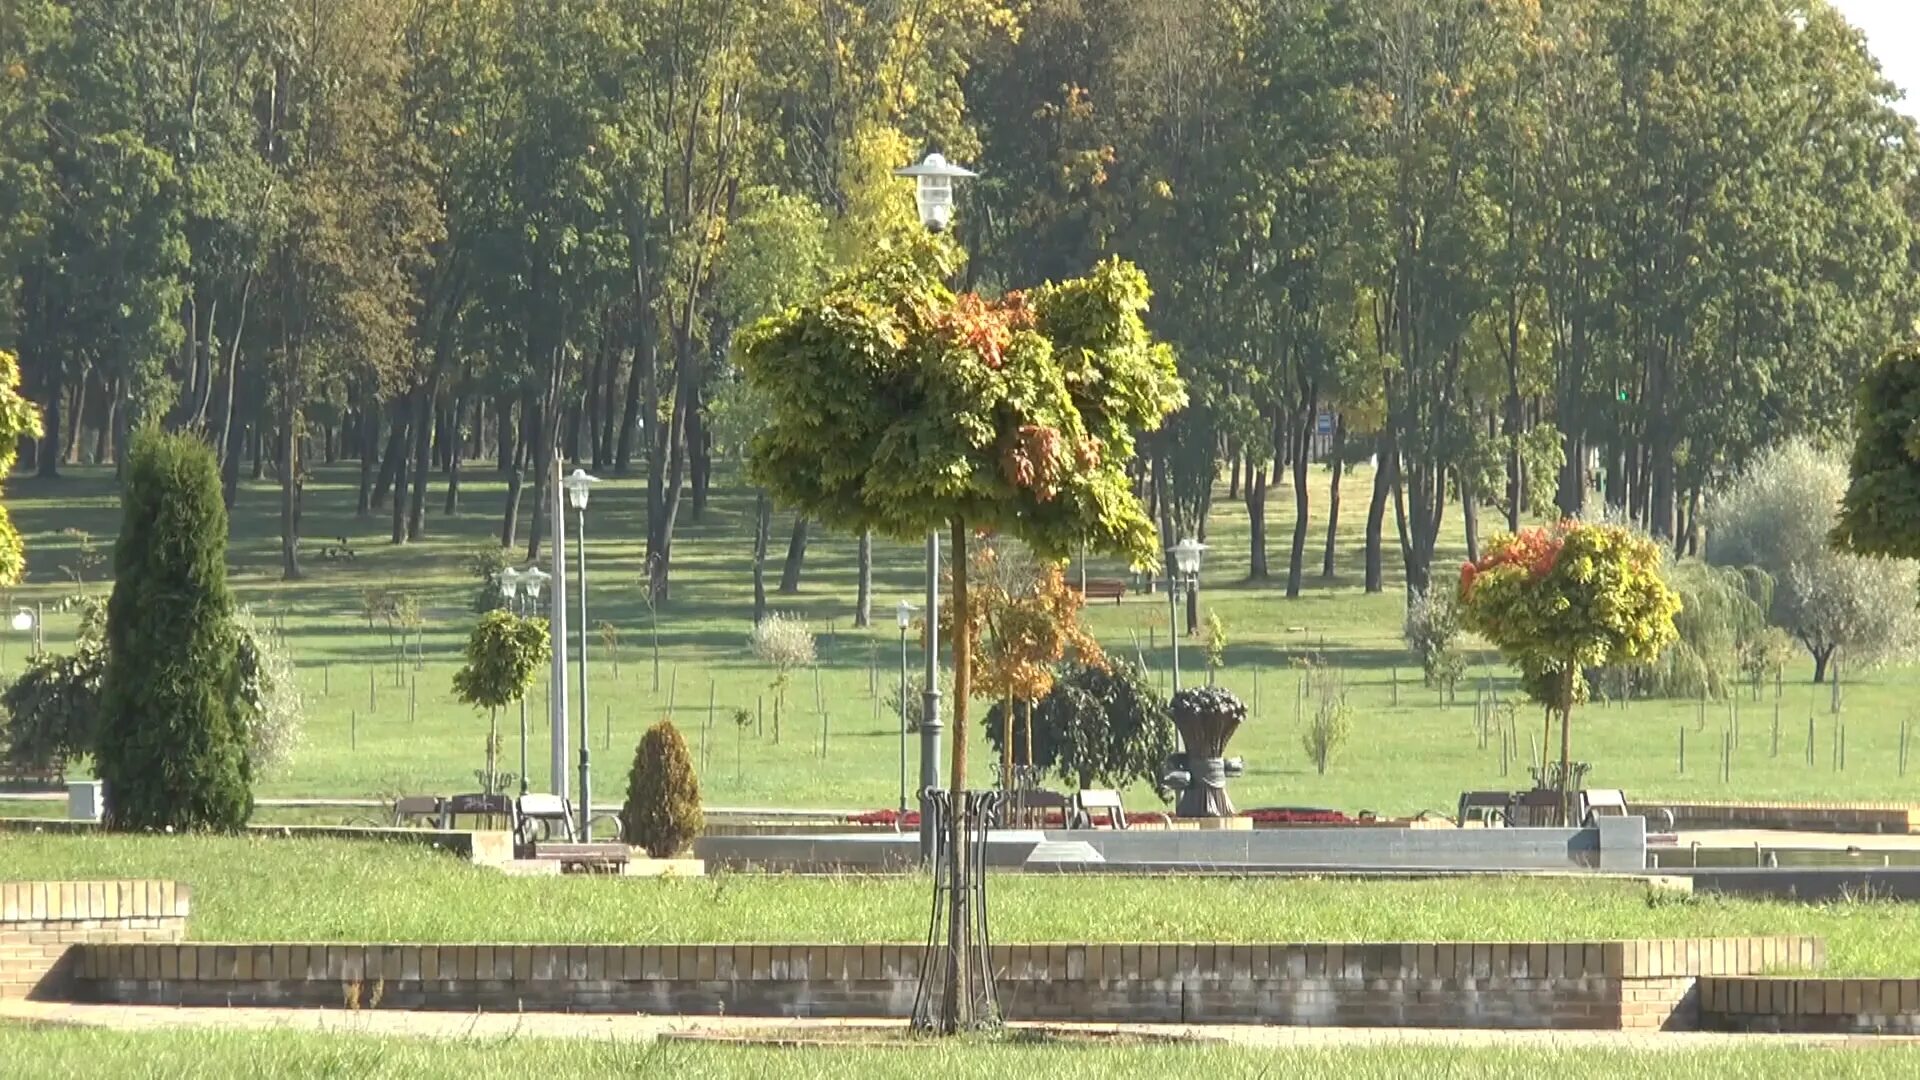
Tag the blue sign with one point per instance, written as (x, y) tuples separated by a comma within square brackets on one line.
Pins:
[(1323, 424)]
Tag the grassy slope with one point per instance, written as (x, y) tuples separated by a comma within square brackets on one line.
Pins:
[(310, 890), (51, 1052), (1404, 758)]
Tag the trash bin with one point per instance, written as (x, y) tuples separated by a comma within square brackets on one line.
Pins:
[(84, 800)]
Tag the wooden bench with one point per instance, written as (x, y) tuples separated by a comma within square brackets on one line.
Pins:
[(539, 816), (411, 811), (585, 858), (1490, 808), (1103, 589), (20, 776), (1086, 802)]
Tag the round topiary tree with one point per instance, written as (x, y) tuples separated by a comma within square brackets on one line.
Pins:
[(504, 651), (1207, 717), (662, 814), (1561, 600), (172, 745)]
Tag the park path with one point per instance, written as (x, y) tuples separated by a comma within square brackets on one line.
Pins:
[(647, 1028)]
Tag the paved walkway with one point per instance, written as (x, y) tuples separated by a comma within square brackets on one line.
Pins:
[(647, 1028)]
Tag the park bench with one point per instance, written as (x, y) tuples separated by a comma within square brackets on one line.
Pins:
[(584, 858), (411, 811), (1103, 589), (26, 776), (1490, 808), (1602, 802), (1087, 802), (489, 807), (1031, 807), (540, 816)]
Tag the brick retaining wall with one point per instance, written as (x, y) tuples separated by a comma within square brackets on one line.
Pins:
[(41, 923), (1647, 984), (1853, 1006)]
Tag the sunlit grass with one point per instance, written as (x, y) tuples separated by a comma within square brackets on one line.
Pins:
[(61, 1052), (263, 889)]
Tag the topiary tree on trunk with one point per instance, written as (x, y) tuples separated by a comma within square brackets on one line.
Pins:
[(172, 747), (662, 814), (1561, 600), (897, 406), (504, 652)]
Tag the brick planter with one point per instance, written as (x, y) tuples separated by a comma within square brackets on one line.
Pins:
[(1851, 1006), (41, 924), (1645, 984)]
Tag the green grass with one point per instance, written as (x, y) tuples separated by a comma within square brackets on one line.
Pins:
[(1404, 757), (51, 1052), (262, 889)]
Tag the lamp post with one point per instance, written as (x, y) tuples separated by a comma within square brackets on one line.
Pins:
[(1185, 566), (934, 180), (25, 620), (510, 583), (904, 613), (578, 485)]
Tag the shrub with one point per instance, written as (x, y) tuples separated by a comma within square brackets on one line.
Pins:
[(484, 564), (662, 814), (917, 697), (274, 709), (172, 745), (785, 643), (1432, 633)]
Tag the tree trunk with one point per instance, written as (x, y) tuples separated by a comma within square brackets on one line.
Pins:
[(1300, 443), (1233, 476), (507, 448), (230, 467), (423, 414), (289, 490), (256, 445), (399, 532), (47, 454), (76, 421), (1384, 476), (762, 527), (959, 989), (863, 599), (796, 555), (1470, 514), (1337, 469), (393, 463), (700, 455), (1821, 658), (369, 454), (1257, 524)]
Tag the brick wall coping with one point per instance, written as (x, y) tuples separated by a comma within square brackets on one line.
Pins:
[(1656, 959), (23, 902), (1759, 995)]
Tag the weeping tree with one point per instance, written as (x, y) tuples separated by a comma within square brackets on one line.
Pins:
[(898, 406), (1721, 631), (1561, 600)]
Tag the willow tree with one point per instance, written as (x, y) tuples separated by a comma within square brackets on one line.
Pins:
[(1562, 599), (901, 407)]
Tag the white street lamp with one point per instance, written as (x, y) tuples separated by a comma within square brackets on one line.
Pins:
[(934, 179), (579, 486), (1185, 569), (27, 619), (904, 614)]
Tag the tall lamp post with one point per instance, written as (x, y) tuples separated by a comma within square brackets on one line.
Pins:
[(578, 485), (934, 180), (903, 613), (1185, 569)]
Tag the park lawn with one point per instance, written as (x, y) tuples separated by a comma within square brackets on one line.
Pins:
[(375, 727), (268, 889), (45, 1051)]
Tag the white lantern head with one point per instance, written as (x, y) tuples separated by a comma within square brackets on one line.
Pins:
[(904, 613), (23, 620), (934, 180), (511, 581), (578, 485), (534, 580), (1186, 556)]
